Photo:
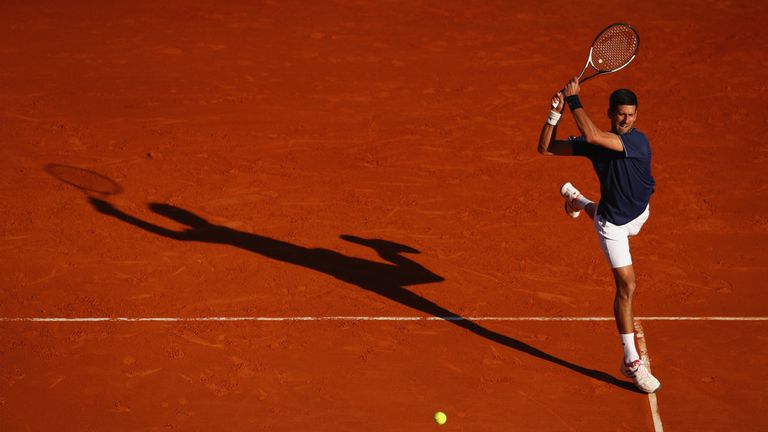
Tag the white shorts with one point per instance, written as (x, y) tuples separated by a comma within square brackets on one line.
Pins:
[(614, 239)]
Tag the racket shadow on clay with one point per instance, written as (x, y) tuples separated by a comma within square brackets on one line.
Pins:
[(88, 181), (385, 279)]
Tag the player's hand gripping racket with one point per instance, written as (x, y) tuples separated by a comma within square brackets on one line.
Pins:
[(612, 50)]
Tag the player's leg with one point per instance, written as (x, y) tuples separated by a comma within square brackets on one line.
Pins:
[(614, 240), (615, 244), (632, 365), (590, 210), (624, 277)]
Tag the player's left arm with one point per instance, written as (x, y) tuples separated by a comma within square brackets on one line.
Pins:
[(549, 145), (591, 133)]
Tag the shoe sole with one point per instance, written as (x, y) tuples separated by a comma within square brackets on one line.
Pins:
[(564, 194), (564, 187)]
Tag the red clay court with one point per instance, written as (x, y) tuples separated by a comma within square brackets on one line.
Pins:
[(331, 216)]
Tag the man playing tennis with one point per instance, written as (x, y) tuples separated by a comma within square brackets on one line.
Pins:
[(621, 159)]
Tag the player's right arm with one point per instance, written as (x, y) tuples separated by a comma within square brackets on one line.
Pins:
[(549, 145), (108, 209)]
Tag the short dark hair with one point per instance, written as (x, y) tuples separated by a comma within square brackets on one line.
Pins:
[(622, 97)]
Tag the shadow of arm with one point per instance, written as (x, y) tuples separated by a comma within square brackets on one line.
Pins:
[(108, 209), (412, 272)]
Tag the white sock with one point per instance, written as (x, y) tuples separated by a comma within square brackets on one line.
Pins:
[(630, 353), (580, 202)]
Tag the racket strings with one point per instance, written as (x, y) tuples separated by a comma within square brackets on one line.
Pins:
[(614, 48)]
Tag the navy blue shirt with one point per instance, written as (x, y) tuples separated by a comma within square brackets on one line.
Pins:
[(626, 183)]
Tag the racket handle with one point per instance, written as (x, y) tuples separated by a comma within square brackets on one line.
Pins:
[(587, 78), (556, 104), (581, 81)]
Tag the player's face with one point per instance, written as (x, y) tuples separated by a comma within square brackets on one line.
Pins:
[(622, 118)]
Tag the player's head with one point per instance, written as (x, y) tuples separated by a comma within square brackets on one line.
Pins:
[(622, 110)]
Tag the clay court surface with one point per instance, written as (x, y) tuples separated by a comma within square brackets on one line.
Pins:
[(339, 176)]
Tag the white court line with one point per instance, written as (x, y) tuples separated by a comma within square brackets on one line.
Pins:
[(652, 401), (360, 318)]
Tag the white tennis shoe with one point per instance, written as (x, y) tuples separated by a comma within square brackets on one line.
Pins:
[(570, 193), (641, 376)]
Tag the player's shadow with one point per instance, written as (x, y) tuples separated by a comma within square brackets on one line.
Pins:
[(387, 280)]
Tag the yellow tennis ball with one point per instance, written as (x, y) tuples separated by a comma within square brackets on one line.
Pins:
[(440, 417)]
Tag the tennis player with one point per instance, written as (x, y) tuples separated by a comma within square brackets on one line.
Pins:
[(621, 158)]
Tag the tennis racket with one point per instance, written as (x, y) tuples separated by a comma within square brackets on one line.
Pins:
[(613, 49)]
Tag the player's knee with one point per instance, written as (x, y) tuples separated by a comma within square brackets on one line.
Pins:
[(625, 284), (625, 289)]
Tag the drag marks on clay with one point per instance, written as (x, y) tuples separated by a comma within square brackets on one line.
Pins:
[(167, 50), (49, 276), (21, 237), (141, 373), (56, 382), (481, 274), (191, 337), (306, 203), (22, 117), (229, 301), (643, 351)]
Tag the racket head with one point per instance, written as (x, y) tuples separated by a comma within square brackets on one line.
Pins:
[(88, 181), (614, 48)]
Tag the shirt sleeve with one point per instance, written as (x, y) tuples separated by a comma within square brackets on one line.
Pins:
[(580, 146), (594, 152), (636, 145)]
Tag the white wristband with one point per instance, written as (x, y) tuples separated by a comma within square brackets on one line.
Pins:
[(554, 118)]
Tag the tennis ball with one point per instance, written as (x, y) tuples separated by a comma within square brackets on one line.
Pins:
[(440, 417)]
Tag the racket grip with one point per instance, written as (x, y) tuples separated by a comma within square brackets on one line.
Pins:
[(557, 103), (581, 81), (587, 78)]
